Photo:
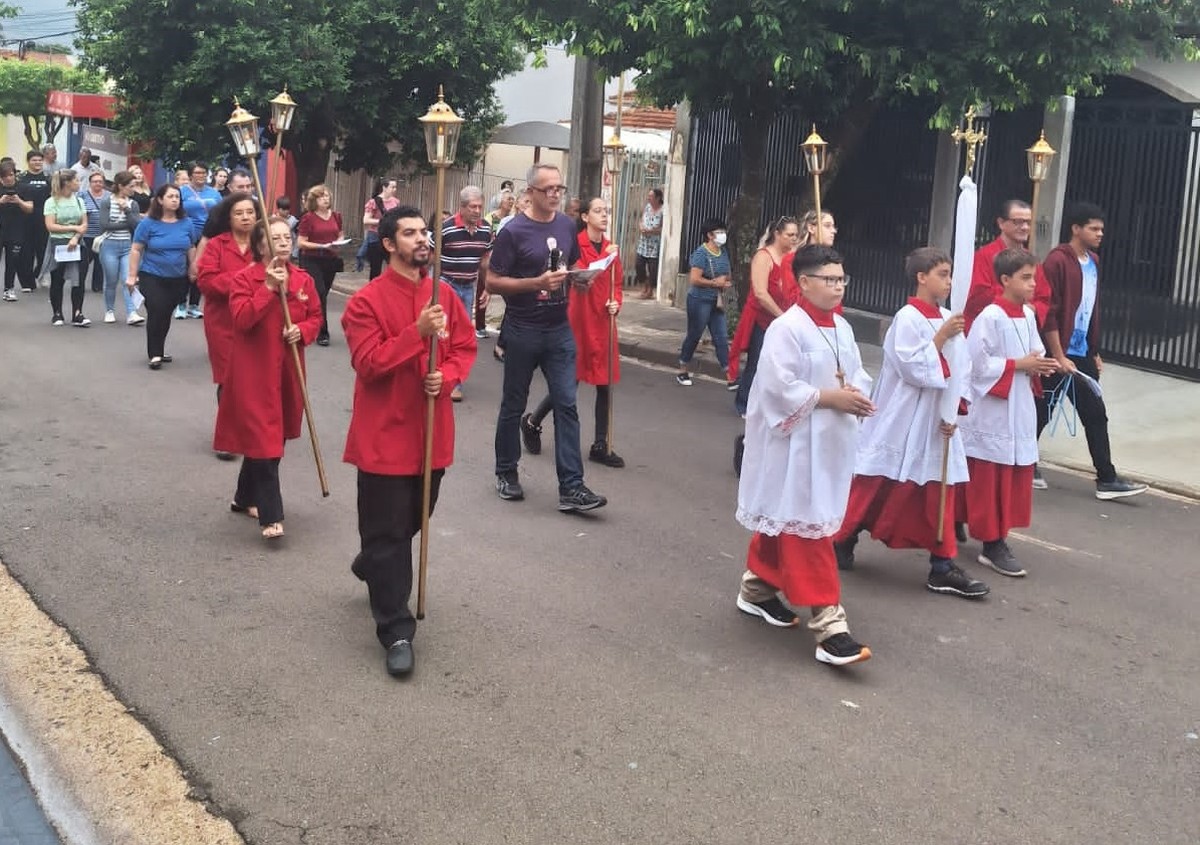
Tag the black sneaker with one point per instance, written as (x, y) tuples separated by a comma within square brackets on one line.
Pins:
[(842, 650), (1118, 488), (684, 379), (956, 582), (960, 532), (732, 385), (601, 455), (509, 488), (999, 557), (579, 500), (772, 611), (531, 435), (845, 553)]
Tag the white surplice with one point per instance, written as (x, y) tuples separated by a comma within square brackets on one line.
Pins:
[(903, 441), (1002, 430), (799, 459)]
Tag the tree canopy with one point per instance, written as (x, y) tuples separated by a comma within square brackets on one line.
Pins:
[(839, 60), (23, 89), (361, 71)]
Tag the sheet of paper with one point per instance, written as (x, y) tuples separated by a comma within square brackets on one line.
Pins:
[(1091, 383), (138, 299), (63, 254)]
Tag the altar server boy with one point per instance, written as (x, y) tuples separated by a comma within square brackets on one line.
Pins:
[(1000, 429), (897, 492), (802, 424)]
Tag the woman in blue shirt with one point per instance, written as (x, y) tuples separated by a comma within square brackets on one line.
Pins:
[(710, 275), (159, 261), (198, 198)]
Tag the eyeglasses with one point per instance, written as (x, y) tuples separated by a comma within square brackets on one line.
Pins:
[(1017, 222), (831, 281), (549, 189)]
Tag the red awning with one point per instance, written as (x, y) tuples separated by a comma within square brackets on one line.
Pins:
[(86, 106)]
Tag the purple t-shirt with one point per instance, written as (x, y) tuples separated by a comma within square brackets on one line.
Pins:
[(521, 251)]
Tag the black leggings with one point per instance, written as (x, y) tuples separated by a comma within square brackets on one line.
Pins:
[(602, 400), (58, 280), (322, 269), (162, 295), (258, 486)]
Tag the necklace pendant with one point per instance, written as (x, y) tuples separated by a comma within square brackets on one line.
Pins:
[(841, 377)]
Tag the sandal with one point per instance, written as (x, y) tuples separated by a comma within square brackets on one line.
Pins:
[(248, 510), (273, 531)]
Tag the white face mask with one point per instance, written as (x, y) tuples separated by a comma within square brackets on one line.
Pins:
[(720, 238)]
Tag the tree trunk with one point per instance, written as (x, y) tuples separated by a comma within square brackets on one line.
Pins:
[(33, 131), (844, 136), (746, 210)]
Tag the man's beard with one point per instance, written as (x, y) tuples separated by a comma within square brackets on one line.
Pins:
[(420, 258)]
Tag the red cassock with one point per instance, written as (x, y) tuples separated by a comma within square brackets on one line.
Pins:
[(390, 360), (996, 499), (221, 261), (261, 403), (901, 514), (986, 288), (589, 316)]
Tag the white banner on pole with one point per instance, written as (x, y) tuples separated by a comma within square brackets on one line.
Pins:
[(965, 220)]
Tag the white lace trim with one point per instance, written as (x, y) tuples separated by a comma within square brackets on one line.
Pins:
[(772, 527), (802, 413)]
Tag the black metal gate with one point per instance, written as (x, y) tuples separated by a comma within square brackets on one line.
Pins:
[(1138, 159)]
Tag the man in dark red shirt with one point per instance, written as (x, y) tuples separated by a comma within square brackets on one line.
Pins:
[(388, 325), (1015, 223)]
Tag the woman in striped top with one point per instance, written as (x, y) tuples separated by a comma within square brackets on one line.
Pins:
[(119, 216)]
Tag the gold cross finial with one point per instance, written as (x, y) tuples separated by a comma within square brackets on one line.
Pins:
[(973, 138)]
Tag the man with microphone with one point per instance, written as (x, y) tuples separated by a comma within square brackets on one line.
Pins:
[(528, 267)]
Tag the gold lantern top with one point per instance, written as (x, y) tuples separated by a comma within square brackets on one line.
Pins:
[(614, 154), (816, 152), (243, 127), (1038, 158), (283, 110), (442, 128)]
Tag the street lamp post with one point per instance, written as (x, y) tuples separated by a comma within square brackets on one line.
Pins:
[(816, 157), (1038, 158), (283, 109), (442, 128), (614, 161), (243, 128)]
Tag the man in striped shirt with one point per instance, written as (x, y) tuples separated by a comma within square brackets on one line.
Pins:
[(466, 238)]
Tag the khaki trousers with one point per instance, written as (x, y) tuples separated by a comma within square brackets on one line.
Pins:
[(825, 622)]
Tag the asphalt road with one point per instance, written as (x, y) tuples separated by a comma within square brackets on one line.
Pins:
[(585, 679)]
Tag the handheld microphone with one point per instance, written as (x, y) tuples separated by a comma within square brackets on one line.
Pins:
[(555, 253)]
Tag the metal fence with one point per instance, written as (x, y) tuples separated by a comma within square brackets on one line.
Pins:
[(642, 171)]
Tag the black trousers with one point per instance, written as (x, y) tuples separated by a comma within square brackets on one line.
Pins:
[(162, 295), (35, 244), (389, 516), (322, 269), (376, 256), (16, 264), (258, 486), (602, 400), (90, 260), (1092, 415)]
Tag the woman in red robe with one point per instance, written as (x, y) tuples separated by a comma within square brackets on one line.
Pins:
[(261, 403), (226, 251), (589, 311)]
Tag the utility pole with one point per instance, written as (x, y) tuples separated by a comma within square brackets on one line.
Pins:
[(584, 161)]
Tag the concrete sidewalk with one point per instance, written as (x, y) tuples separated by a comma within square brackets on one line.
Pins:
[(1152, 418)]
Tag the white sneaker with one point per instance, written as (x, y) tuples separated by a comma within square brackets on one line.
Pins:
[(110, 317), (10, 296), (135, 319)]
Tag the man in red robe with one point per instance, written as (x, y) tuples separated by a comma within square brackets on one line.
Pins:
[(389, 325), (1015, 223)]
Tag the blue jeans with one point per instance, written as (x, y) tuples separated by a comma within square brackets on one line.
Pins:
[(702, 314), (114, 258), (753, 350), (526, 348)]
